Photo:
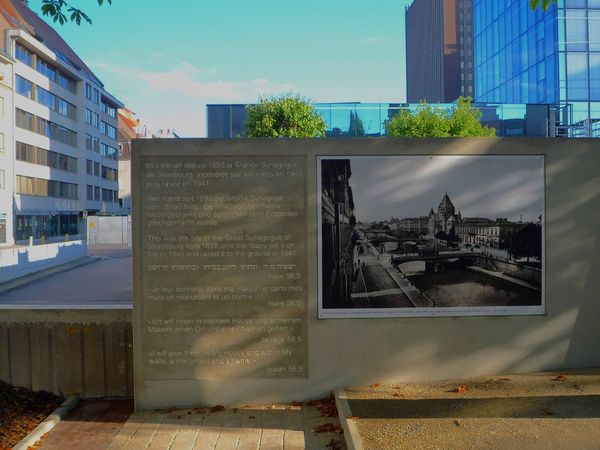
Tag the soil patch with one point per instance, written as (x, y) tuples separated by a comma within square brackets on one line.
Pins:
[(21, 410)]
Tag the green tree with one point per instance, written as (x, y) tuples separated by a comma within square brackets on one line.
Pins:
[(284, 116), (60, 11), (356, 128), (428, 121), (544, 3)]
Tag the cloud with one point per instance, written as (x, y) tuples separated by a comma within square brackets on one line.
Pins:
[(180, 92), (370, 40), (193, 81)]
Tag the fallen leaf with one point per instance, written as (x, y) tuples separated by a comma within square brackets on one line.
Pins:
[(578, 387), (461, 389), (375, 385), (329, 428), (560, 377), (396, 394), (217, 408), (546, 412), (351, 417), (457, 423)]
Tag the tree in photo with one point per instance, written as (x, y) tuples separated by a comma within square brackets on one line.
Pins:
[(285, 116), (427, 121)]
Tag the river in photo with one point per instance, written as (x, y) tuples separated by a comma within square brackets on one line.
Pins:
[(463, 287)]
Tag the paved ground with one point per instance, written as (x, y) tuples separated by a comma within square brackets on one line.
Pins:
[(104, 283), (551, 410), (105, 425)]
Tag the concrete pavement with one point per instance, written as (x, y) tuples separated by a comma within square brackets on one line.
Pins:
[(106, 283), (108, 425), (548, 410)]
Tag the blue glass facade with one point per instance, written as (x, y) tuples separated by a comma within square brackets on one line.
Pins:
[(526, 56), (228, 121)]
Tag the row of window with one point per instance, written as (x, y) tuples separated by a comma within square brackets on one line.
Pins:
[(92, 118), (108, 152), (26, 56), (94, 193), (108, 130), (108, 109), (46, 226), (92, 168), (92, 94), (43, 157), (44, 127), (46, 188), (36, 93)]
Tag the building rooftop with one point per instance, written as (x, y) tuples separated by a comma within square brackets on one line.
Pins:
[(15, 14)]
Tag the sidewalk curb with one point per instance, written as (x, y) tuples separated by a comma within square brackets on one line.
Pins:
[(353, 440), (50, 422), (35, 276)]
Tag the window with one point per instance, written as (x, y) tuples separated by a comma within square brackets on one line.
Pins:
[(25, 120), (96, 144), (96, 169), (90, 192), (23, 55), (67, 82), (43, 157), (89, 167), (2, 185), (46, 98), (108, 109), (95, 120), (1, 143), (88, 142), (46, 69), (88, 116), (108, 130), (24, 87), (66, 108), (88, 91), (96, 98), (97, 193)]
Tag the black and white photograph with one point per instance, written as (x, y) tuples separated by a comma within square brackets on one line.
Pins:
[(422, 235)]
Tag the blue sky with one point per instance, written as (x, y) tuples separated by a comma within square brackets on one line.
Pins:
[(166, 60)]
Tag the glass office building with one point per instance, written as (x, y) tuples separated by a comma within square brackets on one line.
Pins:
[(526, 56), (229, 121)]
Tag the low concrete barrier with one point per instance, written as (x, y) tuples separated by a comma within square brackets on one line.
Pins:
[(85, 352), (16, 262)]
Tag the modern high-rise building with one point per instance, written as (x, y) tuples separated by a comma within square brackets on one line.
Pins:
[(63, 143), (526, 56), (439, 50)]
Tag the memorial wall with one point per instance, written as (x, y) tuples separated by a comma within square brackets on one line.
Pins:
[(272, 270), (224, 267)]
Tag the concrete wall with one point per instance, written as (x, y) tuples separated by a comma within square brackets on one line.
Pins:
[(88, 352), (16, 262), (345, 352), (109, 230)]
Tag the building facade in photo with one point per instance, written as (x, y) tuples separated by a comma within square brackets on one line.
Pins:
[(64, 142), (532, 57), (439, 50)]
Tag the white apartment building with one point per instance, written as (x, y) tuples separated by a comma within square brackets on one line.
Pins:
[(7, 154), (64, 138)]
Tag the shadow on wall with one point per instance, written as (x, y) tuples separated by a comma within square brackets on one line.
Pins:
[(16, 262)]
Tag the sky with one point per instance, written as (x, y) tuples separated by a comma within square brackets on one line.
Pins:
[(165, 60), (510, 187)]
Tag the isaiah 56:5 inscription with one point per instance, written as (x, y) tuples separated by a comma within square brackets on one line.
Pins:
[(223, 267)]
